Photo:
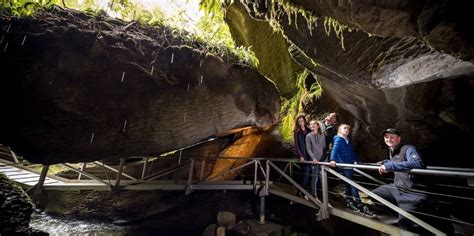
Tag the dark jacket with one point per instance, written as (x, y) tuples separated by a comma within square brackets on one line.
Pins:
[(300, 143), (329, 132), (403, 158), (342, 151)]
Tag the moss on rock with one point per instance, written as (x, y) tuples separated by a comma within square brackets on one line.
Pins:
[(15, 207)]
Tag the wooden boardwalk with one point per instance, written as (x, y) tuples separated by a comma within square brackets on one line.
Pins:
[(29, 178), (24, 176)]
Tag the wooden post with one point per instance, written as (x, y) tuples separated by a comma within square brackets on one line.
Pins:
[(144, 167), (42, 178), (262, 210), (15, 159), (201, 174), (323, 211), (190, 178), (119, 173), (83, 167)]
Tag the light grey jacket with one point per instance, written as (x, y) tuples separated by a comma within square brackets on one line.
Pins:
[(315, 144)]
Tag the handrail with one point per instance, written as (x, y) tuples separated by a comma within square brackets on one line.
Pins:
[(85, 174), (436, 172), (270, 162), (387, 203)]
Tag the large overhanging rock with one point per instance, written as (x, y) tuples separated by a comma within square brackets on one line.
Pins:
[(378, 82), (76, 88), (380, 62), (442, 24)]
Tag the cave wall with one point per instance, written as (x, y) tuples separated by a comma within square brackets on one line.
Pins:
[(378, 69), (269, 46)]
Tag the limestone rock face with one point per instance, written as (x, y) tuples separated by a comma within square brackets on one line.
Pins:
[(80, 88)]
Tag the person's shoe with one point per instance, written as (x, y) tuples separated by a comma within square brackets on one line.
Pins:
[(389, 220), (351, 206), (300, 194), (364, 210)]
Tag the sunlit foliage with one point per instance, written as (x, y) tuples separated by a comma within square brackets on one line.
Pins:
[(212, 32)]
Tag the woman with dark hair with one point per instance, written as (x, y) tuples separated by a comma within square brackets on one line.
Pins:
[(299, 135)]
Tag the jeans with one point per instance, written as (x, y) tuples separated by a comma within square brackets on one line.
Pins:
[(352, 194), (315, 169), (306, 172), (404, 199)]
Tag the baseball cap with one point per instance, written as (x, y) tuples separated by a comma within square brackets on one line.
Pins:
[(391, 131)]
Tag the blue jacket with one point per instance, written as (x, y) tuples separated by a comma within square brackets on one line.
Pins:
[(342, 151), (408, 160)]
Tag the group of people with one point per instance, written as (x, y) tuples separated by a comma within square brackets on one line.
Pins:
[(323, 141)]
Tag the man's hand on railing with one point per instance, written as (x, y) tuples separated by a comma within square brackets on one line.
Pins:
[(332, 163), (315, 161), (301, 159), (382, 170)]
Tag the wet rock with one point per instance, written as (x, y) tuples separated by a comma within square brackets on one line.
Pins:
[(241, 229), (15, 207), (226, 219), (220, 231), (210, 230)]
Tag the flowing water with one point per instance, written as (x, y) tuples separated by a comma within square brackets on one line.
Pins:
[(60, 226)]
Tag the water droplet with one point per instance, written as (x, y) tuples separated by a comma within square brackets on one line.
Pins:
[(172, 57), (188, 87), (202, 79), (23, 42), (123, 76), (8, 29), (200, 63), (152, 68), (5, 48), (92, 138), (124, 126), (1, 40), (184, 120)]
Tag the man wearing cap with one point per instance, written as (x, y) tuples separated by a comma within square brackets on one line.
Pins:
[(402, 158)]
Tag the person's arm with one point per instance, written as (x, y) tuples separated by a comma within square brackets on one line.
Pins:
[(297, 146), (413, 161), (335, 150)]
